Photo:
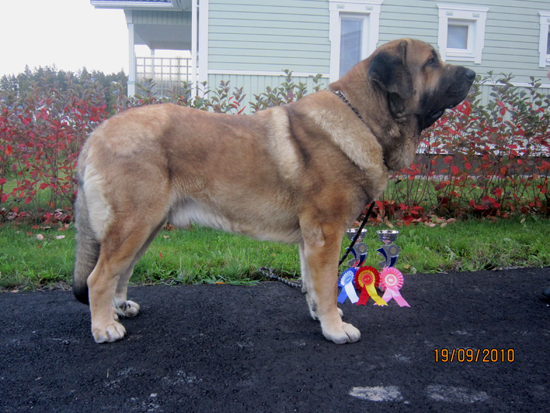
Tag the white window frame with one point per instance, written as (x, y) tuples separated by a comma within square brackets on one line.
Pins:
[(370, 11), (464, 15), (543, 43)]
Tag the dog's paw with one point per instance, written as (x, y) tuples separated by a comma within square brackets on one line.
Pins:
[(109, 333), (340, 312), (346, 333), (127, 309)]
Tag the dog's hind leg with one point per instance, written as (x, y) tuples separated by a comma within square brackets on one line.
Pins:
[(123, 306), (87, 249), (321, 251), (122, 244)]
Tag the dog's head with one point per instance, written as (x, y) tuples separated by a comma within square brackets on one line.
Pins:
[(417, 82)]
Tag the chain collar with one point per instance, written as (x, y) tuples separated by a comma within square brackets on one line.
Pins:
[(341, 95)]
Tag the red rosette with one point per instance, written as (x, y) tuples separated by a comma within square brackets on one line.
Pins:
[(365, 276), (391, 277)]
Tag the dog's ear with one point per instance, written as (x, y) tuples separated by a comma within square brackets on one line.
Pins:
[(390, 71)]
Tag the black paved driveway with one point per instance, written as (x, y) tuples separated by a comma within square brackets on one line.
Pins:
[(222, 348)]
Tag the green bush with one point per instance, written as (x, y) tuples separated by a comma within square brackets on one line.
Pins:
[(481, 160)]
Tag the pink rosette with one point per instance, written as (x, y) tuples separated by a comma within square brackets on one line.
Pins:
[(391, 277), (391, 281)]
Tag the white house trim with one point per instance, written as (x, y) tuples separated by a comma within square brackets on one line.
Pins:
[(338, 8), (203, 40), (474, 18), (262, 73), (132, 69), (544, 58), (194, 40)]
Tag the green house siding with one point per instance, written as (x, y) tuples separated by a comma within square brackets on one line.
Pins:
[(256, 84), (512, 38), (511, 33), (268, 36), (402, 18), (252, 41), (261, 38)]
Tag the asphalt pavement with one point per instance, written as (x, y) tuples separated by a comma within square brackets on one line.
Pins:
[(470, 342)]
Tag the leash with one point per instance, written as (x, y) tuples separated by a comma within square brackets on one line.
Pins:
[(357, 235), (269, 273)]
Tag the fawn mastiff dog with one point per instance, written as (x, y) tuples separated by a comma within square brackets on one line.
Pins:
[(299, 173)]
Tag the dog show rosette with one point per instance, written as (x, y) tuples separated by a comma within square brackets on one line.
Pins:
[(391, 281), (366, 279), (347, 282)]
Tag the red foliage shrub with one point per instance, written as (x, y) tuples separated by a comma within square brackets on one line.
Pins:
[(41, 133), (489, 160), (43, 129)]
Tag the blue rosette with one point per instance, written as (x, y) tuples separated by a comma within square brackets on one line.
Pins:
[(347, 283)]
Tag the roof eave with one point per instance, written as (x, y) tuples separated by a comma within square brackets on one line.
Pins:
[(135, 5)]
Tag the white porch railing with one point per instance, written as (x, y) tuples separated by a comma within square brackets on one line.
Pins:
[(168, 73)]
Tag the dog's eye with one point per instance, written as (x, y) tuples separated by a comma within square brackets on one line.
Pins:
[(432, 62)]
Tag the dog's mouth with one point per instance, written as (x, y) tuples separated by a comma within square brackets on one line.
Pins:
[(455, 93), (436, 115), (433, 116), (429, 119)]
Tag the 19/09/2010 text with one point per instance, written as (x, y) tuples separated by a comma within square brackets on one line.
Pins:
[(469, 355)]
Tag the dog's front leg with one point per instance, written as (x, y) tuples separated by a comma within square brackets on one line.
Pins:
[(321, 250), (307, 284)]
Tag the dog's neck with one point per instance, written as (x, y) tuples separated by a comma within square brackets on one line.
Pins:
[(342, 96), (399, 138)]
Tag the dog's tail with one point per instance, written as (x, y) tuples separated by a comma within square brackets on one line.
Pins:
[(87, 248)]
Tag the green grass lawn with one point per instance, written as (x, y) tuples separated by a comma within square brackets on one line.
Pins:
[(203, 255)]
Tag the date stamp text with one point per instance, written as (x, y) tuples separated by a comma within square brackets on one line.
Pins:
[(470, 355)]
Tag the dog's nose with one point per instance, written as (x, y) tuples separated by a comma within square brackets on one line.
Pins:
[(470, 75)]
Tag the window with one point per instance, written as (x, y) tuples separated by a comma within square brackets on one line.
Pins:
[(460, 39), (354, 26), (544, 44), (457, 36), (462, 32), (352, 30)]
